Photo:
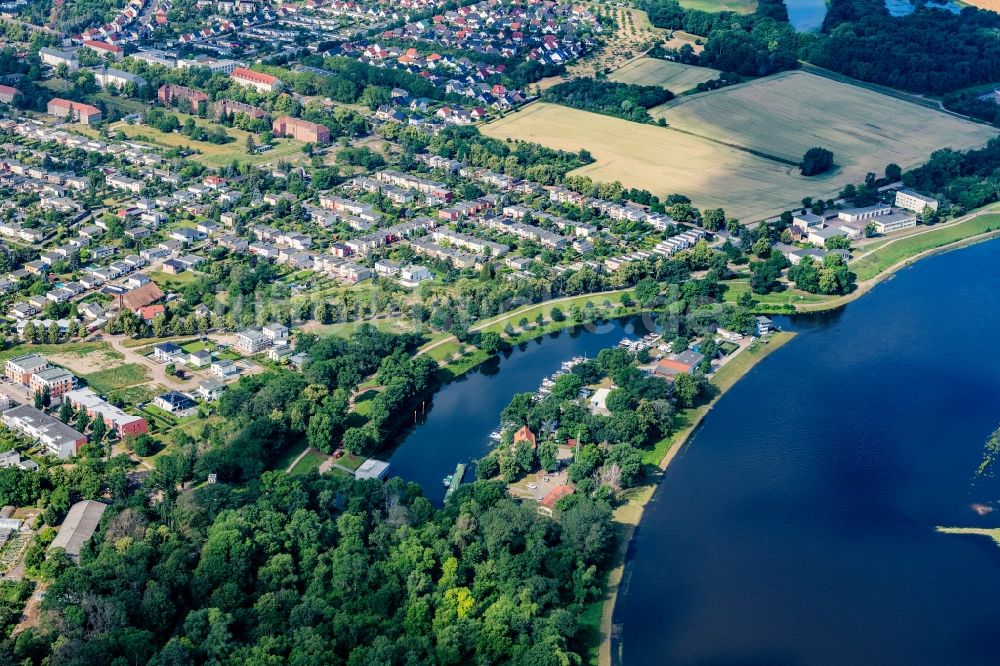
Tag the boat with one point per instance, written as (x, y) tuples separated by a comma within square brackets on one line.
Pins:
[(495, 434), (455, 480), (447, 481)]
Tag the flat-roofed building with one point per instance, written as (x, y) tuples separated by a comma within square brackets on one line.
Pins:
[(911, 200), (21, 368), (118, 421), (58, 438), (56, 380)]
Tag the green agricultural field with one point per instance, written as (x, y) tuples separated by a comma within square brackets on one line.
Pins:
[(662, 160), (674, 76), (785, 115)]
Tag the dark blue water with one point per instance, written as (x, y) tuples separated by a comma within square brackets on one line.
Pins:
[(457, 426), (797, 525)]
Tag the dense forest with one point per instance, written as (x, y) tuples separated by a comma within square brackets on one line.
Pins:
[(961, 181), (314, 571), (745, 44), (622, 100), (930, 51)]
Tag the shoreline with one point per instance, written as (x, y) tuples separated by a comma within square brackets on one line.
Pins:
[(607, 629), (869, 284), (630, 514)]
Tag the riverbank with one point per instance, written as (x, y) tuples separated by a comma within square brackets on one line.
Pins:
[(882, 263), (629, 514)]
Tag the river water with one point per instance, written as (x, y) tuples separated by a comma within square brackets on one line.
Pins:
[(458, 423), (797, 525)]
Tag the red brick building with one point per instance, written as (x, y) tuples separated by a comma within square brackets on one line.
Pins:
[(168, 92), (300, 129)]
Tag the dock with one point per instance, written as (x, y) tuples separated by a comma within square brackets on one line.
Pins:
[(456, 480)]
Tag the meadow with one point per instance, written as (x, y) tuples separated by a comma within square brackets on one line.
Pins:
[(786, 114), (674, 76)]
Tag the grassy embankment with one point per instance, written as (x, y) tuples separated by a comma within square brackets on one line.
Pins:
[(458, 358), (991, 532), (890, 254)]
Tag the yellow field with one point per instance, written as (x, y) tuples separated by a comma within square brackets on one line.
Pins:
[(663, 160), (674, 76), (786, 114), (992, 5)]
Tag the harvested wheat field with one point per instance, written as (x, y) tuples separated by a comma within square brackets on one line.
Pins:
[(786, 114), (664, 161), (674, 76)]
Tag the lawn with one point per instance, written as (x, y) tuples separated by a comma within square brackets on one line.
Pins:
[(66, 348), (734, 288), (134, 395), (309, 462), (664, 160), (674, 76), (892, 253), (198, 345), (173, 282), (213, 155), (112, 379), (785, 115)]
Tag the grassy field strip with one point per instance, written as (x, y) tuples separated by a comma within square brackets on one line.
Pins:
[(991, 532), (890, 254)]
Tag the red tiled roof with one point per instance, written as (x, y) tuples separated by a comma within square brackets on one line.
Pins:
[(556, 494), (103, 46), (250, 75)]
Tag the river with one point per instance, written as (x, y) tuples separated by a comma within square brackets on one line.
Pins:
[(458, 423), (797, 525)]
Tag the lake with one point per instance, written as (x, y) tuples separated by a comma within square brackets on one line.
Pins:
[(462, 415), (797, 525), (806, 15)]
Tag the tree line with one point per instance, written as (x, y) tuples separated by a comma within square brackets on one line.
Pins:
[(622, 100)]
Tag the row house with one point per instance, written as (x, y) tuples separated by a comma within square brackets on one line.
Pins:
[(469, 242), (434, 189), (467, 209), (454, 257)]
